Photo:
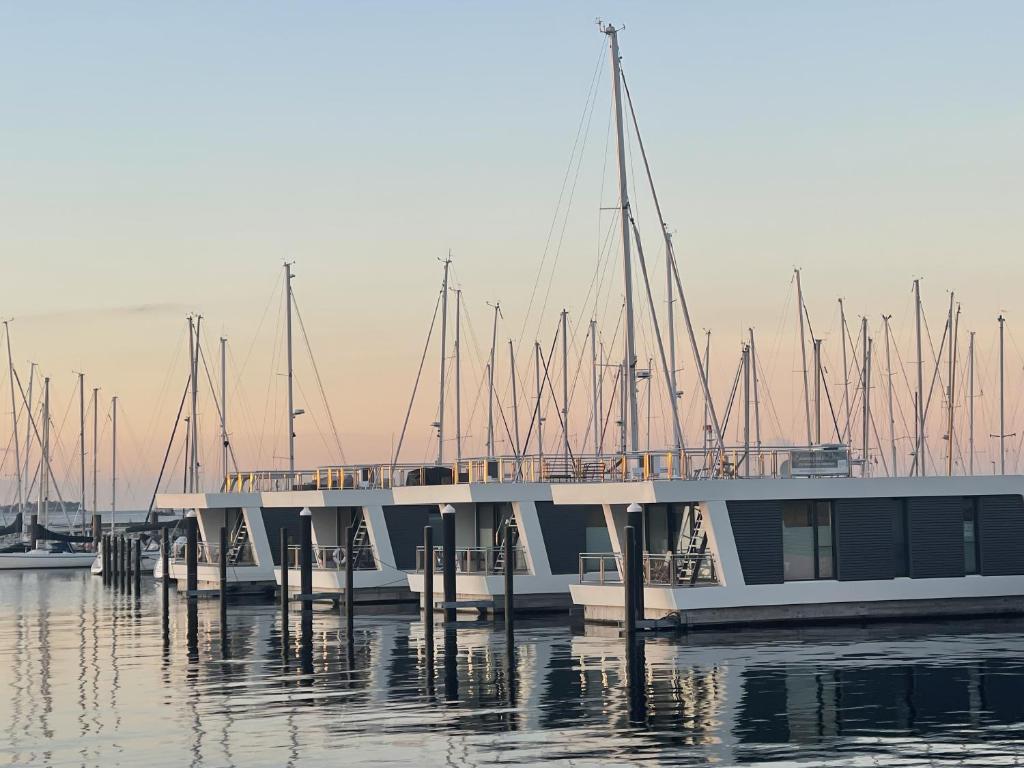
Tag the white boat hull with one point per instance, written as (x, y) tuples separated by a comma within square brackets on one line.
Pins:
[(149, 561), (39, 559)]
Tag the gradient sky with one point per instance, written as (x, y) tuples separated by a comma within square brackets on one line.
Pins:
[(157, 159)]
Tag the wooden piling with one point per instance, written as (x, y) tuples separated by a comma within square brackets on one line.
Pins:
[(510, 568), (428, 590), (191, 555), (629, 586), (137, 569), (448, 564), (350, 592), (223, 573), (635, 518)]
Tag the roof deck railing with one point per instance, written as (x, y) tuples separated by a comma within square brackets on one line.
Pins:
[(766, 462)]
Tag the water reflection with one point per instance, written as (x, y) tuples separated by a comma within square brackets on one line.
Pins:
[(91, 676)]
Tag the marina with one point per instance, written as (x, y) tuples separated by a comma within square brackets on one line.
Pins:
[(640, 502)]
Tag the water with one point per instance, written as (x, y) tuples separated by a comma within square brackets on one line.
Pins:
[(87, 679)]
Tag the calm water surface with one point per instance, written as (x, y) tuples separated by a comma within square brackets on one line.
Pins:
[(88, 678)]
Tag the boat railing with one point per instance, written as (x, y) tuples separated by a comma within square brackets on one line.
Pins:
[(240, 554), (477, 561), (694, 464), (331, 557), (670, 569)]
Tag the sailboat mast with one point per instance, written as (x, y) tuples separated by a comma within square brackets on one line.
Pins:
[(14, 419), (490, 384), (113, 462), (223, 408), (888, 378), (458, 376), (596, 413), (515, 397), (1002, 400), (865, 396), (291, 392), (192, 409), (919, 409), (970, 406), (817, 391), (954, 331), (846, 373), (627, 269), (44, 467), (757, 403), (540, 391), (565, 386), (95, 445), (746, 410), (81, 439), (803, 354), (670, 319), (444, 345)]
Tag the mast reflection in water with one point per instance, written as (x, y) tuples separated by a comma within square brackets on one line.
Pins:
[(86, 678)]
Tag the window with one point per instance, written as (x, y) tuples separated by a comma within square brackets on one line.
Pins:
[(970, 518), (807, 543), (900, 558)]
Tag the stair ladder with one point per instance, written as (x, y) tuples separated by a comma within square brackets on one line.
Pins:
[(697, 543), (360, 540), (507, 529), (239, 538)]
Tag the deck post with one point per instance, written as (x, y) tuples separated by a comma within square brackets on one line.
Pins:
[(629, 579), (428, 590), (284, 593), (448, 548), (191, 554), (138, 567), (105, 559), (350, 592), (635, 518), (223, 574), (509, 587), (306, 557)]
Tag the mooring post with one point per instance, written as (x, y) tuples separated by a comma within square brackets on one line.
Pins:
[(350, 593), (223, 573), (428, 592), (112, 557), (122, 562), (284, 593), (191, 554), (635, 518), (97, 531), (306, 557), (509, 586), (138, 567), (115, 553), (105, 560), (165, 560), (629, 579), (448, 552)]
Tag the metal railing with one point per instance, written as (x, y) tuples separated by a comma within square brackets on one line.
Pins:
[(209, 554), (697, 463), (664, 570), (478, 561), (332, 558)]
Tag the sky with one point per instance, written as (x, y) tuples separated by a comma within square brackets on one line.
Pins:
[(160, 159)]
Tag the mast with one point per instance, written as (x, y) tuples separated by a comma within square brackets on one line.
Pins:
[(490, 384), (919, 445), (865, 397), (746, 410), (291, 376), (846, 373), (444, 345), (707, 399), (95, 444), (596, 413), (44, 471), (565, 387), (224, 406), (458, 376), (888, 375), (192, 409), (629, 360), (757, 405), (673, 384), (14, 419), (81, 439), (954, 330), (803, 353), (113, 462), (537, 354), (515, 398), (970, 405), (28, 432), (1002, 401), (817, 391)]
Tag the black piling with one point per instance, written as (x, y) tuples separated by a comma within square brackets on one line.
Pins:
[(97, 530), (112, 559), (33, 530), (629, 584), (635, 518), (105, 558), (350, 592), (123, 550), (428, 593), (191, 556), (129, 571), (306, 558), (115, 553), (137, 569), (223, 573), (448, 552), (510, 567), (284, 593), (165, 581)]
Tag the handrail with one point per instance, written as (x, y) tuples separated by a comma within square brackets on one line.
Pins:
[(696, 463), (671, 569), (331, 557), (209, 554), (484, 561)]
